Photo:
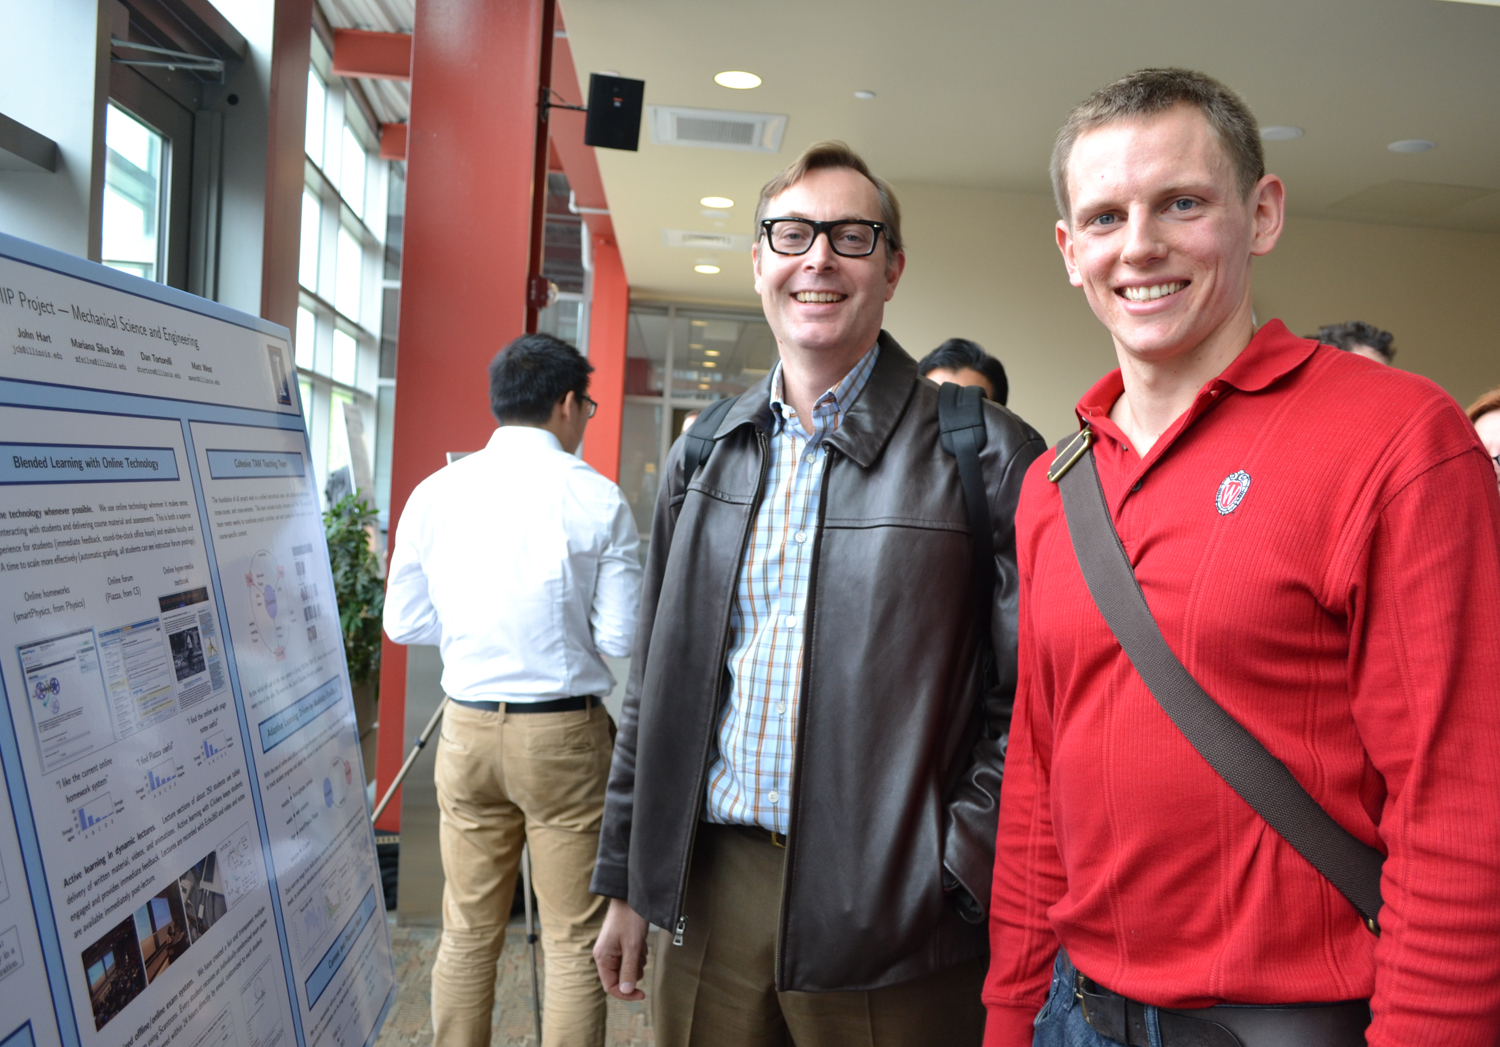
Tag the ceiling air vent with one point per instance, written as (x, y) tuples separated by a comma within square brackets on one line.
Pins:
[(716, 128), (705, 241)]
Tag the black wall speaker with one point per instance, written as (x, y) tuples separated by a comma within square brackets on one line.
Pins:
[(614, 119)]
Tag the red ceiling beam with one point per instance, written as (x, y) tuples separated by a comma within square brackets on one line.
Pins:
[(373, 56), (393, 141)]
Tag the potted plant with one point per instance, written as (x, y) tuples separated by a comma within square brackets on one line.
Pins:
[(360, 593)]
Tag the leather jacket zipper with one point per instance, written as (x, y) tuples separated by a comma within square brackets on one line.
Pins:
[(807, 664), (687, 862)]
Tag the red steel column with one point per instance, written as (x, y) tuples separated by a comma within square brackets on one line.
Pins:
[(609, 322), (474, 76)]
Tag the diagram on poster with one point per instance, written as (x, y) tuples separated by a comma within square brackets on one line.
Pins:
[(191, 849), (268, 604)]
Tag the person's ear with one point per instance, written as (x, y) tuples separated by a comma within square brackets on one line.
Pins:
[(1268, 199), (895, 266), (1065, 245)]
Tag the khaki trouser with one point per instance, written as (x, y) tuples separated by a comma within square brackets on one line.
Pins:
[(718, 989), (505, 779)]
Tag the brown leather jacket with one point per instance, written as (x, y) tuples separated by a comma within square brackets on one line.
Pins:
[(900, 751)]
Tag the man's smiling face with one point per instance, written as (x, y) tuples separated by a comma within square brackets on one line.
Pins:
[(1159, 235), (821, 301)]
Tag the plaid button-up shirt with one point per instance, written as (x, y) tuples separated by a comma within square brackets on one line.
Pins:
[(750, 779)]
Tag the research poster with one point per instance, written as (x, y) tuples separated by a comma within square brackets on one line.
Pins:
[(186, 855)]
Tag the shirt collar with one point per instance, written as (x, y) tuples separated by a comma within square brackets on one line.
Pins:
[(1273, 353), (530, 437), (841, 396)]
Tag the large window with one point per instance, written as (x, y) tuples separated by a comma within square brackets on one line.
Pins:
[(340, 270), (679, 360), (135, 196)]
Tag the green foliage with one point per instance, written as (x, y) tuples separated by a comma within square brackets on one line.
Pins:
[(356, 584)]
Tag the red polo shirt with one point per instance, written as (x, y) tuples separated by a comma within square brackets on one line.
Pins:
[(1343, 603)]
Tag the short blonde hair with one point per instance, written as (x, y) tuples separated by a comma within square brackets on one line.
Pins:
[(833, 154), (1148, 92)]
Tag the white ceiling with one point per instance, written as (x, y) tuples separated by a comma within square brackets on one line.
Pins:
[(970, 93)]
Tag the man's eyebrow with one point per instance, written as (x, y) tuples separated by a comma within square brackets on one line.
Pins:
[(1106, 200)]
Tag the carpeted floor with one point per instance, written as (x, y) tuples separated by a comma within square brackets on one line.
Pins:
[(409, 1023)]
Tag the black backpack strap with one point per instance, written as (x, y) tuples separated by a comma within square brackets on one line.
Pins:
[(961, 424), (698, 441), (1247, 766)]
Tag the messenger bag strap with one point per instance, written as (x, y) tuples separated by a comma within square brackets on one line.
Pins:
[(698, 441), (1233, 752)]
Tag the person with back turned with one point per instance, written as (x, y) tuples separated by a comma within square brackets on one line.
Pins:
[(1253, 796), (963, 362), (521, 562), (804, 789)]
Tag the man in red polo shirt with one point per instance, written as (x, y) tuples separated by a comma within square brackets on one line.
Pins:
[(1318, 538)]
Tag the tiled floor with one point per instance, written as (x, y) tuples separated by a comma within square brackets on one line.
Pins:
[(409, 1023)]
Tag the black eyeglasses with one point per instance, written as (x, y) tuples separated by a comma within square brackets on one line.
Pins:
[(591, 403), (849, 237)]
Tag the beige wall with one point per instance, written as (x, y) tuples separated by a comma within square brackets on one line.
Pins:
[(984, 265)]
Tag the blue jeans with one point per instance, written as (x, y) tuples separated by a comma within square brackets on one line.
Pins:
[(1060, 1021)]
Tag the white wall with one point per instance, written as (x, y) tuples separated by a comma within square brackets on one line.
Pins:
[(984, 265), (54, 77), (1434, 289), (243, 192)]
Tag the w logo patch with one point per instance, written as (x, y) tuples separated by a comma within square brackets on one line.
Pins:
[(1232, 492)]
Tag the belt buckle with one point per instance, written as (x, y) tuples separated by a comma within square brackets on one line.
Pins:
[(1114, 1025)]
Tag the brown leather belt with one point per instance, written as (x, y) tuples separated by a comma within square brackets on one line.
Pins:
[(1227, 1025)]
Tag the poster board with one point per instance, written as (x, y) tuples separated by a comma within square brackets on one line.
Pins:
[(186, 854)]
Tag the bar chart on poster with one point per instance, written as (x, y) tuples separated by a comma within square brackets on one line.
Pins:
[(186, 855)]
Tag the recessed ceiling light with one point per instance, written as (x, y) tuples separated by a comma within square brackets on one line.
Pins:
[(695, 345), (737, 79), (703, 385), (709, 363), (1411, 145), (709, 352), (716, 201), (707, 270), (1280, 133), (698, 323), (864, 96)]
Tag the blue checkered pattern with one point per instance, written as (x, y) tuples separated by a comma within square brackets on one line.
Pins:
[(750, 779)]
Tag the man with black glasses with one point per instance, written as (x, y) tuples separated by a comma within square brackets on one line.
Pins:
[(805, 783), (522, 562)]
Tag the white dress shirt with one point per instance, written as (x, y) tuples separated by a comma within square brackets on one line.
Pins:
[(521, 563)]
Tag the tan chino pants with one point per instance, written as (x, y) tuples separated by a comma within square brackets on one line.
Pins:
[(505, 779)]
